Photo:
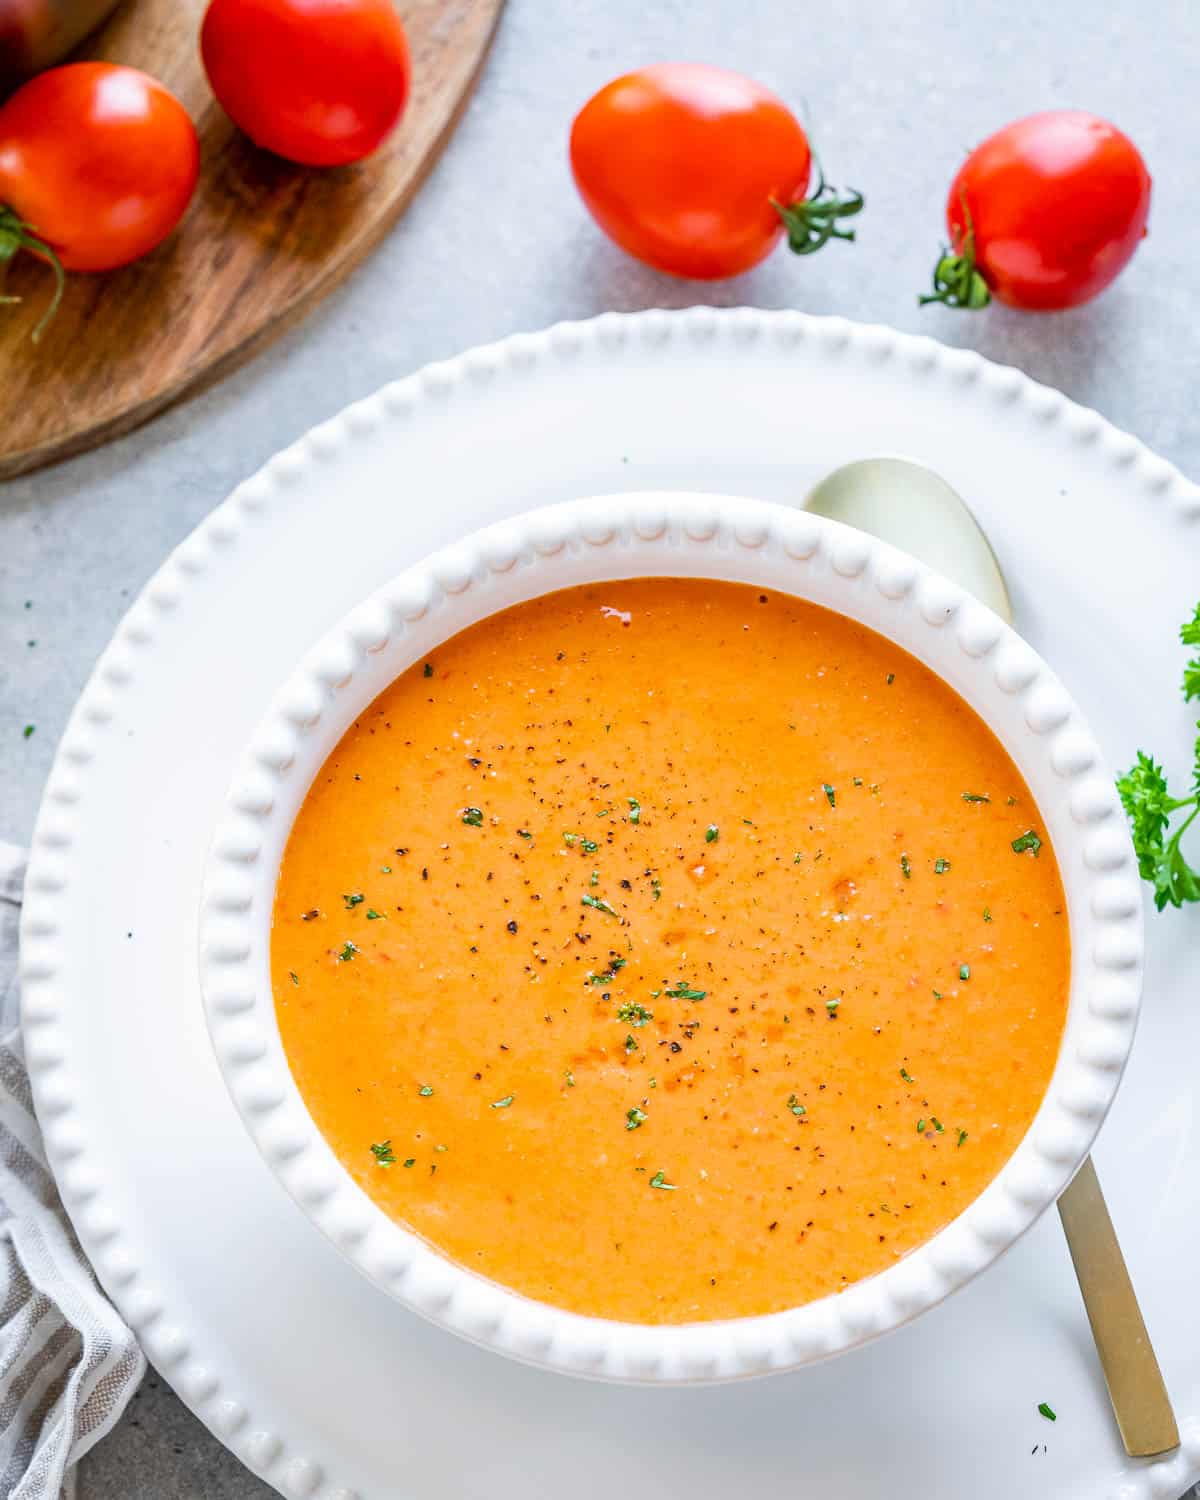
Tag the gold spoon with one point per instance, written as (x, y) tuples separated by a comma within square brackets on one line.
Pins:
[(911, 507)]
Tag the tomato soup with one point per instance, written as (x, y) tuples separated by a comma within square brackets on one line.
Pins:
[(671, 950)]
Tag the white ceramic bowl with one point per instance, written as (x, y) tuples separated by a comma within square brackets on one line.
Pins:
[(707, 536)]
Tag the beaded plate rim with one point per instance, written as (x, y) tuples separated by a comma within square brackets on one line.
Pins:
[(183, 1353)]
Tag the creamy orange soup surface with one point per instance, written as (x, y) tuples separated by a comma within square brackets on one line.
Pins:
[(670, 950)]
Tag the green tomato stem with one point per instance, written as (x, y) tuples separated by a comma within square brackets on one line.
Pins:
[(812, 222), (15, 235), (957, 280)]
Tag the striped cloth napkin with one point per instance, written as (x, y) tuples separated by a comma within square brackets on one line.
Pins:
[(68, 1365)]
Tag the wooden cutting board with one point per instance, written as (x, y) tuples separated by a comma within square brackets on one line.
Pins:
[(261, 242)]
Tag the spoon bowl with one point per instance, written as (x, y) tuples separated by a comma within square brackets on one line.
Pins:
[(913, 508)]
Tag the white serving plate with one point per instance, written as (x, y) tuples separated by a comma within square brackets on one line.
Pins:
[(319, 1384), (698, 536)]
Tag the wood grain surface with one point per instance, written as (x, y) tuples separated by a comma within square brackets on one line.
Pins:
[(261, 241)]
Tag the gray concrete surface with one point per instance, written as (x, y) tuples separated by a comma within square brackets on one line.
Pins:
[(497, 241)]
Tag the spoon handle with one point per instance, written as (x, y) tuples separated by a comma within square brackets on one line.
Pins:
[(1135, 1384)]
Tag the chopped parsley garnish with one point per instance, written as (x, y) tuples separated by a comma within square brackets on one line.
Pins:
[(294, 977), (347, 953), (937, 994), (410, 1161), (27, 732), (1028, 840), (383, 1154), (570, 838), (832, 1005), (937, 1124), (428, 669), (891, 677), (830, 794), (594, 879), (906, 867), (635, 809), (425, 1090), (589, 846), (609, 974), (940, 866), (634, 1014), (354, 900), (630, 1042), (976, 797), (987, 913), (962, 1135), (385, 869), (634, 1118), (570, 1079), (711, 834), (1047, 1412), (920, 1127), (796, 858), (597, 904), (374, 916), (964, 972), (524, 833), (502, 1103), (795, 1106), (473, 817), (659, 1181), (681, 991), (904, 1073), (656, 887)]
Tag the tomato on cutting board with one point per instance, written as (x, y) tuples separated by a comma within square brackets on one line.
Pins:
[(700, 171), (1043, 215), (320, 82), (97, 164)]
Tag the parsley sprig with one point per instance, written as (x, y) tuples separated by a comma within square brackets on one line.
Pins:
[(1151, 807)]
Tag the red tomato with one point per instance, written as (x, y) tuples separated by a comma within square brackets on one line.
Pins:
[(699, 171), (320, 82), (1045, 213), (97, 161)]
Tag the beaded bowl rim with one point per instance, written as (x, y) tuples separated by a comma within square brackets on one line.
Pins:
[(694, 535)]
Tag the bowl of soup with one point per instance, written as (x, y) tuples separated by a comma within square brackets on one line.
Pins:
[(672, 937)]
